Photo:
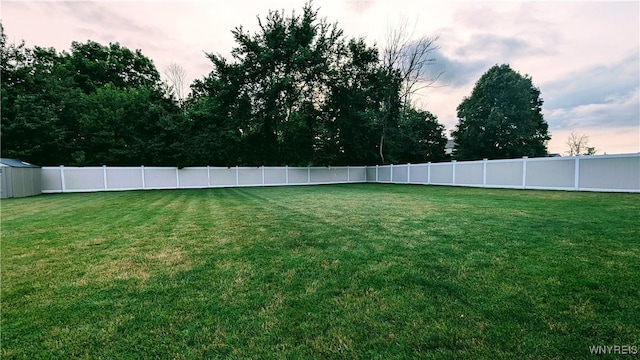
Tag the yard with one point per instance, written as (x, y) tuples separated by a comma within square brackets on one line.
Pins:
[(340, 271)]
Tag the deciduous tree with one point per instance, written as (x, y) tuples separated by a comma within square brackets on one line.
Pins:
[(421, 138), (176, 77), (578, 144), (502, 118), (407, 57), (299, 94), (93, 105)]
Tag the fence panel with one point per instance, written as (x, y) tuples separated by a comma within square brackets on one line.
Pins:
[(83, 179), (384, 173), (124, 178), (469, 173), (442, 174), (370, 173), (51, 179), (297, 175), (223, 176), (159, 178), (193, 177), (556, 173), (602, 173), (504, 173), (278, 175), (328, 175), (400, 173), (357, 174), (419, 174), (249, 176)]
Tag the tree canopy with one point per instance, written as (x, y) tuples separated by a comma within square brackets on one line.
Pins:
[(92, 105), (295, 92), (502, 118), (298, 92)]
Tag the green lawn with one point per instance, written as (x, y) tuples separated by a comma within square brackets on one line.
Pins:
[(341, 271)]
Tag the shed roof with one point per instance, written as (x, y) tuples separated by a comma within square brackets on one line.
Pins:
[(16, 163)]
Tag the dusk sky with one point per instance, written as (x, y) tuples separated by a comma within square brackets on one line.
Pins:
[(584, 56)]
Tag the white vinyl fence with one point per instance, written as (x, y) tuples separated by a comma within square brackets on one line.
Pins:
[(611, 173), (618, 173), (108, 178)]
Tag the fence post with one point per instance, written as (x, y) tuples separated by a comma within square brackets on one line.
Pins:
[(308, 174), (286, 173), (142, 174), (576, 181), (391, 173), (177, 178), (104, 176), (262, 175), (453, 172), (429, 173), (408, 173), (348, 174), (484, 172), (524, 171), (64, 187), (377, 174), (208, 176), (237, 176)]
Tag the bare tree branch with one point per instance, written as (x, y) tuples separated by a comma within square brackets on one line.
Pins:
[(176, 76), (579, 145), (411, 58)]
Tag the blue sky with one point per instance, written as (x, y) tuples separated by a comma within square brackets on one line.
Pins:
[(584, 56)]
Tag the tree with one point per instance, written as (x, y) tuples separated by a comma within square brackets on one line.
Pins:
[(296, 92), (127, 117), (502, 118), (37, 104), (356, 117), (95, 105), (287, 67), (127, 127), (176, 76), (408, 59), (96, 65), (421, 138), (217, 114), (579, 145)]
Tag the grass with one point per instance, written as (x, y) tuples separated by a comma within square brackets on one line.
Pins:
[(342, 271)]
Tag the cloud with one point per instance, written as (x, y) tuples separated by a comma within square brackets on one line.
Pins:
[(528, 18), (599, 96), (457, 72), (614, 111), (470, 58), (99, 16), (594, 85), (493, 46), (359, 6)]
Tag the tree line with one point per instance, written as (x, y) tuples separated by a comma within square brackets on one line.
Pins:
[(296, 92)]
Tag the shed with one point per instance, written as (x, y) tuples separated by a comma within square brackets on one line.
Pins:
[(19, 179)]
